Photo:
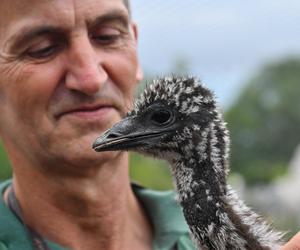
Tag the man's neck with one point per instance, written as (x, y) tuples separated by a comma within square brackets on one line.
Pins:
[(96, 212)]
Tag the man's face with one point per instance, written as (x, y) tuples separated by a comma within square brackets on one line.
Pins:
[(68, 70)]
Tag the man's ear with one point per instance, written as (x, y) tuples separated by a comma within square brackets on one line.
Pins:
[(134, 30), (139, 72)]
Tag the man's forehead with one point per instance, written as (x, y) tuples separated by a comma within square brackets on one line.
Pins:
[(18, 13), (10, 9)]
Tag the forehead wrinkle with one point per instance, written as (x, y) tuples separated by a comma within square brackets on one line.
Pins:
[(23, 17), (11, 10), (51, 13), (109, 12), (114, 15)]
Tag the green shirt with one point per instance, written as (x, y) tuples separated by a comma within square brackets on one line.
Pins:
[(166, 216)]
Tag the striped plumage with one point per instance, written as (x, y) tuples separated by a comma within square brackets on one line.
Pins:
[(177, 119)]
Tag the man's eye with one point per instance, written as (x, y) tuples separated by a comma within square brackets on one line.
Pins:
[(42, 48), (107, 36), (42, 53), (106, 39)]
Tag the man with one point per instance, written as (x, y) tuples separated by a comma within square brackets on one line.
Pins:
[(68, 70)]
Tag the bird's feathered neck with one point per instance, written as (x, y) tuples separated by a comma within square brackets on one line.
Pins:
[(223, 221)]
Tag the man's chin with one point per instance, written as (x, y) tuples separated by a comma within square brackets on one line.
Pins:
[(73, 162), (95, 160), (81, 152)]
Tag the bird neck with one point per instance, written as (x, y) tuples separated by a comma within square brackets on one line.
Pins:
[(201, 169), (200, 175), (208, 206)]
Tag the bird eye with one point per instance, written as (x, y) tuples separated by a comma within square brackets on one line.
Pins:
[(161, 116)]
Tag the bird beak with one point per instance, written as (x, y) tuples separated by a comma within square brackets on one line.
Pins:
[(124, 135)]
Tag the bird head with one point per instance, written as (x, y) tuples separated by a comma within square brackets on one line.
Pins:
[(170, 113)]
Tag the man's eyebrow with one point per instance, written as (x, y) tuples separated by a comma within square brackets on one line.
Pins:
[(25, 35), (113, 16)]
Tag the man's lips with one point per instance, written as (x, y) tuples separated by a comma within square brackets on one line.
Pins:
[(88, 111)]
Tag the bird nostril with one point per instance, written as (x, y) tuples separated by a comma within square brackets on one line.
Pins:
[(113, 135)]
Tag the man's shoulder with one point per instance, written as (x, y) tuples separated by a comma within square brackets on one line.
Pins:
[(12, 233)]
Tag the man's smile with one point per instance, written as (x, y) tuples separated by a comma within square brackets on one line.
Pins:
[(88, 111)]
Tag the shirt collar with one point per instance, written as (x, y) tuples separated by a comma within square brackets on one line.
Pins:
[(164, 213)]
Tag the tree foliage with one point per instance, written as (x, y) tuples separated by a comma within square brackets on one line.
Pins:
[(149, 172), (265, 122)]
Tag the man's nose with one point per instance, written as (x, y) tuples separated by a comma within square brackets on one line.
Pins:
[(85, 71)]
